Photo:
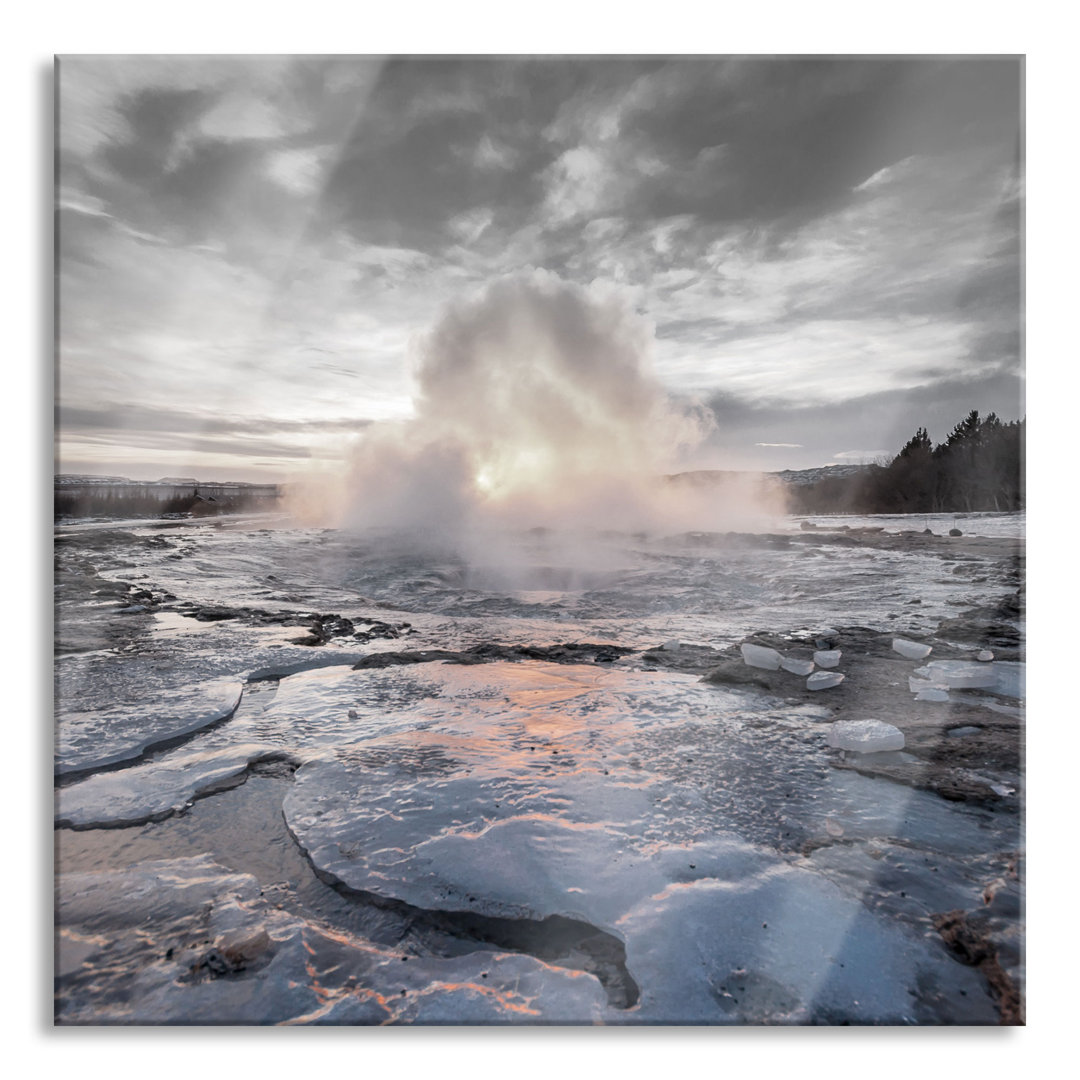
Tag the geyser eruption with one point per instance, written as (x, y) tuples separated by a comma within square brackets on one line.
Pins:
[(536, 406)]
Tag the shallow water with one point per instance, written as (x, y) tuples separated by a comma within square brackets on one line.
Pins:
[(607, 832)]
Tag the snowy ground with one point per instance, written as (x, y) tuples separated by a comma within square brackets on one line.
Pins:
[(311, 776)]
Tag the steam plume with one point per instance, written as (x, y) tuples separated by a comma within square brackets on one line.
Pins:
[(536, 405)]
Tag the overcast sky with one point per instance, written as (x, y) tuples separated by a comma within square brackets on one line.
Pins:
[(828, 250)]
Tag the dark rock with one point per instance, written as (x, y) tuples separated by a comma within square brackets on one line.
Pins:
[(486, 652), (215, 614), (736, 673), (972, 947)]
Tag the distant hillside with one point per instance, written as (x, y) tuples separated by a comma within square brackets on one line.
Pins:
[(788, 477), (805, 477)]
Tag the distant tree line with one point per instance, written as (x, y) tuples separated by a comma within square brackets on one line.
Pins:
[(978, 467), (104, 502), (136, 501)]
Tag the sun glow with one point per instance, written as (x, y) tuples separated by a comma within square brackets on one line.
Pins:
[(517, 470)]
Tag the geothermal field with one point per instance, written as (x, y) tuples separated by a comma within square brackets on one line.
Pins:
[(311, 775), (500, 726), (315, 775), (539, 540)]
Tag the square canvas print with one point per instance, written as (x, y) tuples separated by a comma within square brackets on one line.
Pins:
[(539, 540)]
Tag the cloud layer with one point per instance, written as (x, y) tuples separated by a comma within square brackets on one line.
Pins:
[(250, 247)]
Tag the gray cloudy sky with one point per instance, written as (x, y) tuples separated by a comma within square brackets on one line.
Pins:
[(828, 249)]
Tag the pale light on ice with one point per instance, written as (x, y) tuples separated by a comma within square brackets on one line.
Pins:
[(911, 650), (865, 736), (761, 657), (823, 680)]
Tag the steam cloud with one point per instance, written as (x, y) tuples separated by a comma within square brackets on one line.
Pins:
[(536, 407)]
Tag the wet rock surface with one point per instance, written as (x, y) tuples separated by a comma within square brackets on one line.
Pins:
[(488, 652)]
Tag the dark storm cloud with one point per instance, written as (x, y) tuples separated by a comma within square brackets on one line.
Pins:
[(439, 137), (725, 139)]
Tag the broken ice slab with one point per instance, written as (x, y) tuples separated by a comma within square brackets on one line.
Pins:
[(778, 945), (797, 667), (865, 736), (123, 731), (572, 850), (932, 694), (910, 650), (158, 789), (971, 680), (827, 658), (761, 657), (959, 674), (917, 686), (822, 680)]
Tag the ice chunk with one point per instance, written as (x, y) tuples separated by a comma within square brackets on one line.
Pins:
[(797, 667), (985, 655), (910, 650), (959, 674), (822, 680), (865, 736), (674, 645), (827, 658), (760, 657), (932, 694)]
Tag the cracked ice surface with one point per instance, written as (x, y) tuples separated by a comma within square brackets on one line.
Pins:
[(308, 711), (761, 942), (112, 707), (477, 813), (130, 940), (527, 789)]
